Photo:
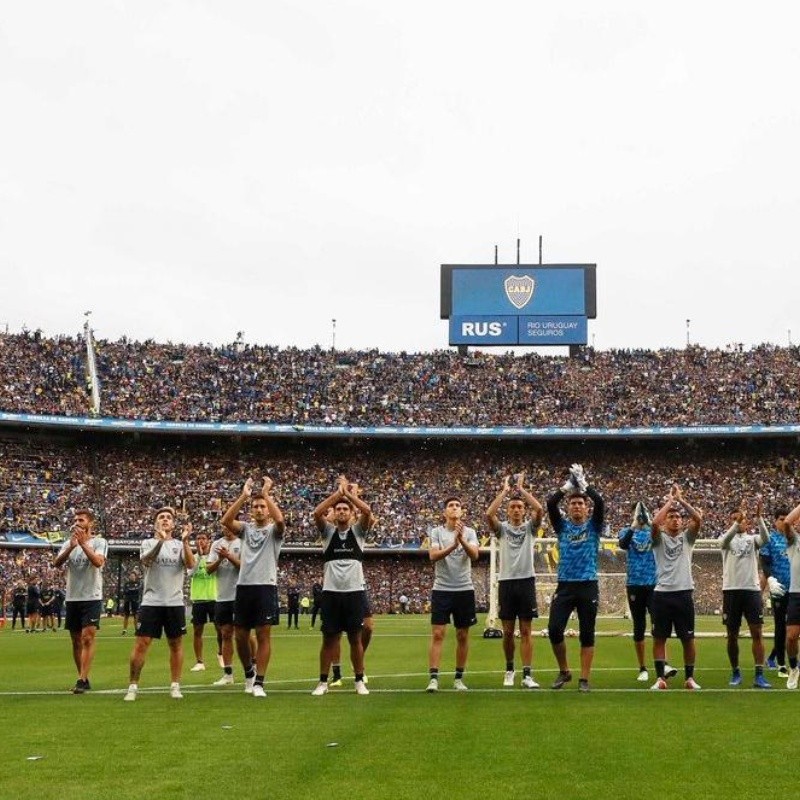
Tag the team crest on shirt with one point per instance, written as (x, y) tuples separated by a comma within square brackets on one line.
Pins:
[(519, 289)]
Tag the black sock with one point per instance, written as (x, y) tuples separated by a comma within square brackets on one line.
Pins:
[(228, 670), (337, 671), (459, 673), (323, 678), (434, 672), (259, 680), (688, 671), (793, 662), (526, 672), (759, 669), (250, 673), (660, 668), (359, 676), (509, 666)]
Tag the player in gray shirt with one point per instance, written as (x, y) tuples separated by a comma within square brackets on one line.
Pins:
[(84, 554), (164, 562), (453, 548), (224, 561), (517, 580), (343, 580), (741, 591), (673, 601), (256, 606)]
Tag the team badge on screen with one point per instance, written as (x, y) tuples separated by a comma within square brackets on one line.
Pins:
[(519, 290)]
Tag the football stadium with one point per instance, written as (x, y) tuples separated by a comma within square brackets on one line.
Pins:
[(319, 479), (414, 430)]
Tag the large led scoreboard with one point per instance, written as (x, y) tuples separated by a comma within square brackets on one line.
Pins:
[(521, 304)]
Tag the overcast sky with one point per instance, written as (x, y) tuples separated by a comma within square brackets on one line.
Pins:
[(187, 170)]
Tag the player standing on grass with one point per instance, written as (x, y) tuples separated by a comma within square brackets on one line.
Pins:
[(793, 604), (203, 594), (673, 598), (741, 593), (640, 581), (132, 595), (342, 601), (164, 561), (578, 537), (517, 579), (368, 625), (224, 561), (84, 554), (256, 606), (453, 548), (777, 571)]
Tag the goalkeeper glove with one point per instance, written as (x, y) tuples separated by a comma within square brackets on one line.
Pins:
[(776, 588)]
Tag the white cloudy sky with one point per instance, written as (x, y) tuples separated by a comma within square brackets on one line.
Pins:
[(190, 169)]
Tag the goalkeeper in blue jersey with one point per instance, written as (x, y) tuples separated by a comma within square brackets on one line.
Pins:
[(578, 536), (641, 580), (777, 574)]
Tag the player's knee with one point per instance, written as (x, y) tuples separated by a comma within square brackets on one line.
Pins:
[(586, 638), (555, 635)]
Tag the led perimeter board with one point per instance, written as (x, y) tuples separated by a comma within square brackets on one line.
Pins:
[(518, 304)]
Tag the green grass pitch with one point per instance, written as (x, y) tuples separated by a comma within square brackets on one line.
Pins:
[(619, 741)]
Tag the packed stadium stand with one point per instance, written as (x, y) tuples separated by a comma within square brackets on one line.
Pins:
[(46, 473)]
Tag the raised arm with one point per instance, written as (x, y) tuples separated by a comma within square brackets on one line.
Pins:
[(322, 509), (533, 504), (695, 516), (599, 507), (229, 520), (272, 507), (491, 513), (189, 559)]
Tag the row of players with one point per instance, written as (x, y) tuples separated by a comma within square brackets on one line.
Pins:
[(245, 562)]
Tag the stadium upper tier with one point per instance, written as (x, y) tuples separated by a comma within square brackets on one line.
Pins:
[(242, 383)]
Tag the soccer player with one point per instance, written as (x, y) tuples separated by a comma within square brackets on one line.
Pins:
[(517, 579), (224, 561), (164, 561), (84, 554), (578, 537), (793, 604), (640, 581), (293, 605), (453, 548), (369, 622), (673, 600), (33, 604), (19, 594), (48, 610), (342, 601), (131, 596), (777, 572), (203, 594), (741, 593), (256, 606)]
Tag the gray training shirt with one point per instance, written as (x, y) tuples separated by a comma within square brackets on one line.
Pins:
[(84, 579), (453, 573), (740, 559), (343, 574), (163, 579), (227, 574), (673, 556), (260, 550), (516, 551)]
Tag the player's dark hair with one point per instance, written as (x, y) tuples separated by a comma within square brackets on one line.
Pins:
[(85, 512), (450, 498), (780, 511), (168, 509)]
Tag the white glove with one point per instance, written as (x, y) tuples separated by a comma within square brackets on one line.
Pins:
[(776, 588), (578, 476), (570, 487)]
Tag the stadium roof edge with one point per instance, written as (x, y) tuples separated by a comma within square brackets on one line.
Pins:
[(397, 432)]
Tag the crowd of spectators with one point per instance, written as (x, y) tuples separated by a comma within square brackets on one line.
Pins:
[(248, 383), (43, 481)]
